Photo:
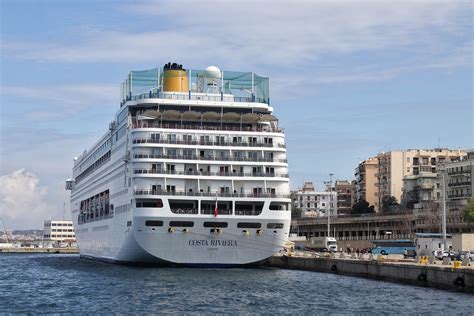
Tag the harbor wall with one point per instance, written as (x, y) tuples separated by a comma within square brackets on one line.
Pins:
[(39, 250), (442, 277)]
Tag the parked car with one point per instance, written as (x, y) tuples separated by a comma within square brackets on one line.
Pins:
[(462, 254), (453, 255), (439, 254)]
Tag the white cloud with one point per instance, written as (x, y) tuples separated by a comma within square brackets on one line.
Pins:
[(255, 33), (22, 200), (54, 102)]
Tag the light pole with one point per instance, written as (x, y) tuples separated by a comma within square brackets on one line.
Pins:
[(443, 180), (330, 204)]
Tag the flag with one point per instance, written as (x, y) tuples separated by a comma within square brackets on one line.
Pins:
[(215, 208)]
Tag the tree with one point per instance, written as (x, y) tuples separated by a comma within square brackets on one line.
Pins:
[(469, 211), (362, 207), (389, 204)]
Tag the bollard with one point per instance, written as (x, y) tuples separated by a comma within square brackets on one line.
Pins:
[(341, 255), (466, 262), (457, 264), (446, 261), (423, 260), (432, 260), (353, 255), (371, 257)]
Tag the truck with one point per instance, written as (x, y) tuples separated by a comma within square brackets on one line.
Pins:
[(322, 244)]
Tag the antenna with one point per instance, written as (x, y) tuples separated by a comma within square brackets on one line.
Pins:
[(64, 210)]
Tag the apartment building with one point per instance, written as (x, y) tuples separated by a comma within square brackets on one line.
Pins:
[(365, 186), (314, 203), (343, 189), (413, 165)]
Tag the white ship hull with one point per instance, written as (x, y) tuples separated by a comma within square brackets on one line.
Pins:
[(193, 246)]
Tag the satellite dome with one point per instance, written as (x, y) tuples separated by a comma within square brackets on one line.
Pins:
[(213, 72)]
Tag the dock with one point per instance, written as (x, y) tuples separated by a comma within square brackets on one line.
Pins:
[(70, 250), (428, 273)]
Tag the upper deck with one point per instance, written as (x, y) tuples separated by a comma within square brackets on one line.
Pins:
[(173, 82)]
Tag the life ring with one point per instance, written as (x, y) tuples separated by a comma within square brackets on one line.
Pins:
[(459, 282), (334, 268), (383, 253), (422, 277)]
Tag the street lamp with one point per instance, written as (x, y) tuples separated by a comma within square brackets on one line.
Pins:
[(330, 204)]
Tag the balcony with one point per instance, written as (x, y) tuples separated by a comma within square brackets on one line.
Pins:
[(142, 192), (209, 127), (459, 172), (205, 143), (459, 196), (424, 187), (217, 158), (459, 184), (207, 173)]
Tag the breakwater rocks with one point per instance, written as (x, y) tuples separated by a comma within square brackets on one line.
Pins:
[(446, 277)]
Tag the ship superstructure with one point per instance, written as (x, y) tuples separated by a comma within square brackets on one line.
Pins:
[(192, 170)]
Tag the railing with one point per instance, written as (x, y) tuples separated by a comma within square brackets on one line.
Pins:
[(457, 184), (207, 157), (248, 212), (459, 195), (206, 173), (466, 171), (219, 212), (424, 187), (204, 143), (185, 211), (223, 127), (191, 96), (210, 194)]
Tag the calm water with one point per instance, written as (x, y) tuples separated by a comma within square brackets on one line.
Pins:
[(65, 283)]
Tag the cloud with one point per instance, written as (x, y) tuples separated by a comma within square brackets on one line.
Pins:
[(54, 102), (259, 33), (22, 200)]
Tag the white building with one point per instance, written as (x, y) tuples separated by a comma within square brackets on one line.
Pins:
[(427, 243), (59, 230), (315, 203)]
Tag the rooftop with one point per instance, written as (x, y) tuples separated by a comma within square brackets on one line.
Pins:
[(195, 84)]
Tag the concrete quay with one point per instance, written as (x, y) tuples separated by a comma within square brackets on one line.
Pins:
[(440, 276), (40, 250)]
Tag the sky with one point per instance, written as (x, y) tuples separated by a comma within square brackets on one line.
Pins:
[(348, 79)]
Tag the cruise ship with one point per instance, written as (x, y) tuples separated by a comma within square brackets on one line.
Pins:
[(191, 171)]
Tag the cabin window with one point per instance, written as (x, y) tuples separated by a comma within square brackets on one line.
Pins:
[(181, 224), (216, 224), (279, 206), (184, 206), (153, 223), (249, 225), (275, 225), (248, 208), (157, 203)]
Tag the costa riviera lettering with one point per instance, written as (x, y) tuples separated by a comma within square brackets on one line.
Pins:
[(213, 242)]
